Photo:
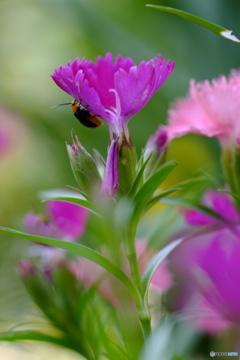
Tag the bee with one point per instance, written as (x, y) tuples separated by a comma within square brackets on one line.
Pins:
[(83, 115)]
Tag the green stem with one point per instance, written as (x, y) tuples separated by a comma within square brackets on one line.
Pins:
[(133, 262), (143, 309), (231, 168), (146, 325)]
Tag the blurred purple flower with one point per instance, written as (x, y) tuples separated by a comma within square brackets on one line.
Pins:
[(114, 91), (4, 141), (68, 217), (218, 274), (207, 268), (25, 268), (220, 203), (64, 221)]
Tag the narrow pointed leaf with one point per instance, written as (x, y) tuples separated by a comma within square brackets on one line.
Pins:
[(151, 185), (192, 204), (156, 198), (138, 179), (155, 262), (196, 182), (78, 190), (236, 196), (83, 251), (85, 203), (197, 20), (36, 336)]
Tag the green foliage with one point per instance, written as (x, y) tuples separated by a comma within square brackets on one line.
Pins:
[(197, 20), (171, 339), (155, 262), (150, 186), (81, 251)]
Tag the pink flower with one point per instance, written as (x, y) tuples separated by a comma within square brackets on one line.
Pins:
[(187, 298), (64, 221), (12, 133), (69, 218), (218, 274), (207, 268), (220, 203), (3, 142), (114, 91), (210, 108)]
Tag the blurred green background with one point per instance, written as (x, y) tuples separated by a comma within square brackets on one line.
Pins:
[(38, 36)]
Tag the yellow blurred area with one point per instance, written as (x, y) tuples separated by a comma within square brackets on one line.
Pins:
[(35, 351), (193, 154)]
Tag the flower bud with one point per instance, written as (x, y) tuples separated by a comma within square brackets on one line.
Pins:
[(25, 268), (156, 148), (83, 167), (126, 165)]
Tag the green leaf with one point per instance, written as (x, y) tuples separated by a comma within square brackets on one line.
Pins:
[(138, 179), (155, 262), (163, 194), (36, 336), (78, 190), (192, 204), (197, 20), (171, 338), (236, 196), (85, 203), (189, 185), (151, 185), (84, 252)]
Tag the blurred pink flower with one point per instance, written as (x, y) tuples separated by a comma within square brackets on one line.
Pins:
[(91, 273), (210, 108), (64, 221), (207, 271), (218, 274), (68, 217), (220, 203), (4, 141), (13, 133)]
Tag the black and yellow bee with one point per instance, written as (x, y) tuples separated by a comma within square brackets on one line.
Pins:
[(83, 115)]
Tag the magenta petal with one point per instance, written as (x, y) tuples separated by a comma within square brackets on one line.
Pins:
[(136, 87), (35, 225), (115, 91), (220, 262), (221, 203), (4, 142), (110, 181), (73, 81), (196, 218), (69, 218)]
